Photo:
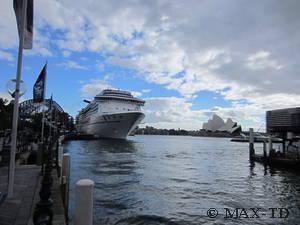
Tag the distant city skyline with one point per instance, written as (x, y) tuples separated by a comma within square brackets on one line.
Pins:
[(186, 59)]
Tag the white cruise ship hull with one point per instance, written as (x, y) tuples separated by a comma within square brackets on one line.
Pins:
[(112, 125)]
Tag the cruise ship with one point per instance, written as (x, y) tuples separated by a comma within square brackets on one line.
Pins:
[(112, 114)]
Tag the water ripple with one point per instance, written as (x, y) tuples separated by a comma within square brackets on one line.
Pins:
[(175, 180)]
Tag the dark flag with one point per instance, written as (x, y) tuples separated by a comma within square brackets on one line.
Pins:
[(28, 29), (39, 86)]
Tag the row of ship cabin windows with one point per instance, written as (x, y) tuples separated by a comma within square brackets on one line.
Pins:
[(113, 117), (127, 109)]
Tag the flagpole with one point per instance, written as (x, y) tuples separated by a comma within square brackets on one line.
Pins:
[(16, 107), (42, 135), (43, 122), (50, 119)]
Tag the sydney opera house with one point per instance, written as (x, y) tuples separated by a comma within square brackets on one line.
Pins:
[(218, 124)]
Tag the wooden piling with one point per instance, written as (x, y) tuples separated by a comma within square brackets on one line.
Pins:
[(251, 144), (65, 180), (265, 151), (270, 146), (60, 152)]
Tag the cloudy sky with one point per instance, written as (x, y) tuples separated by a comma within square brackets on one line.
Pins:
[(188, 59)]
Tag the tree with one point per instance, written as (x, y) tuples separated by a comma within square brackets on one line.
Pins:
[(6, 112)]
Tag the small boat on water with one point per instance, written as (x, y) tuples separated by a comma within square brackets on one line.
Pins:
[(112, 114)]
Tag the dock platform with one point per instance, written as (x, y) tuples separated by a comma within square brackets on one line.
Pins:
[(19, 210), (278, 162)]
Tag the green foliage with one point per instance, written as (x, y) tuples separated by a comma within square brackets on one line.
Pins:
[(6, 112)]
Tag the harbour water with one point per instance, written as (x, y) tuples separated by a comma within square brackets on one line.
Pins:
[(177, 179)]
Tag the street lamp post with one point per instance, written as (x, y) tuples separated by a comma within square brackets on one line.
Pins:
[(14, 129), (11, 88), (15, 93)]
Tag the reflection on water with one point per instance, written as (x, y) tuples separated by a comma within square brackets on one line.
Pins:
[(175, 180)]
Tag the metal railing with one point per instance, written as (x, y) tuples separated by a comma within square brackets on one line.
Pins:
[(23, 146), (43, 213)]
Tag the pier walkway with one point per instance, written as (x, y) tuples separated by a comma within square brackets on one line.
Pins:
[(19, 209)]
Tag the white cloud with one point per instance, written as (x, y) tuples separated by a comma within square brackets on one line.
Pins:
[(261, 60), (172, 112), (100, 66), (212, 58), (252, 113), (94, 87), (41, 44), (72, 65), (8, 26), (146, 90), (66, 53), (136, 94), (39, 50), (191, 52), (6, 56), (5, 95), (188, 46)]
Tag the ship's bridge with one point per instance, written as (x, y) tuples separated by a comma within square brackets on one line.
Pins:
[(109, 94)]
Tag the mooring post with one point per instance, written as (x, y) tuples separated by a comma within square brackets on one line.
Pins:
[(251, 144), (265, 150), (289, 137), (298, 144), (60, 153), (270, 146), (84, 202), (65, 180)]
